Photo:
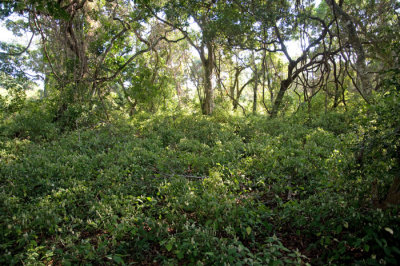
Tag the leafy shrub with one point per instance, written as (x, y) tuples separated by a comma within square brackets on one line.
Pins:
[(173, 189), (33, 121)]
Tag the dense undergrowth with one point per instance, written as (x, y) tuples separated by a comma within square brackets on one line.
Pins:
[(189, 189)]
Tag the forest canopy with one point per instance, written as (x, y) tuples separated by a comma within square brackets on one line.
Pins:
[(200, 132)]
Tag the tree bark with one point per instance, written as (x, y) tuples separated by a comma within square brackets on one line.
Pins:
[(278, 100), (255, 88), (208, 66)]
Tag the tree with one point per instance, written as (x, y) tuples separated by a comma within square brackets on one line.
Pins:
[(214, 19), (232, 75), (355, 42)]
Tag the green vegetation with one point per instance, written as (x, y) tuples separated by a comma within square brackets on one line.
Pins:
[(188, 189), (184, 133)]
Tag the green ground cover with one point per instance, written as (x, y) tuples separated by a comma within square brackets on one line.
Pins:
[(189, 189)]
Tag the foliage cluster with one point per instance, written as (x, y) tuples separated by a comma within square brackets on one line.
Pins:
[(189, 189)]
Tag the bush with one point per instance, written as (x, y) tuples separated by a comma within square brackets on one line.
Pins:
[(33, 121), (180, 189)]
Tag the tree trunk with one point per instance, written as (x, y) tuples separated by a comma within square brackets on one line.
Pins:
[(208, 65), (46, 86), (234, 88), (278, 101), (255, 89)]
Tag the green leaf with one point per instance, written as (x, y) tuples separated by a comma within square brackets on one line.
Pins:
[(118, 260), (248, 230), (179, 254), (395, 249), (66, 262), (338, 229), (169, 246), (390, 230)]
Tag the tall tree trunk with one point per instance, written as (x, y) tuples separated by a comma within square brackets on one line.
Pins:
[(46, 86), (233, 98), (235, 87), (278, 100), (285, 84), (255, 89), (208, 65)]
